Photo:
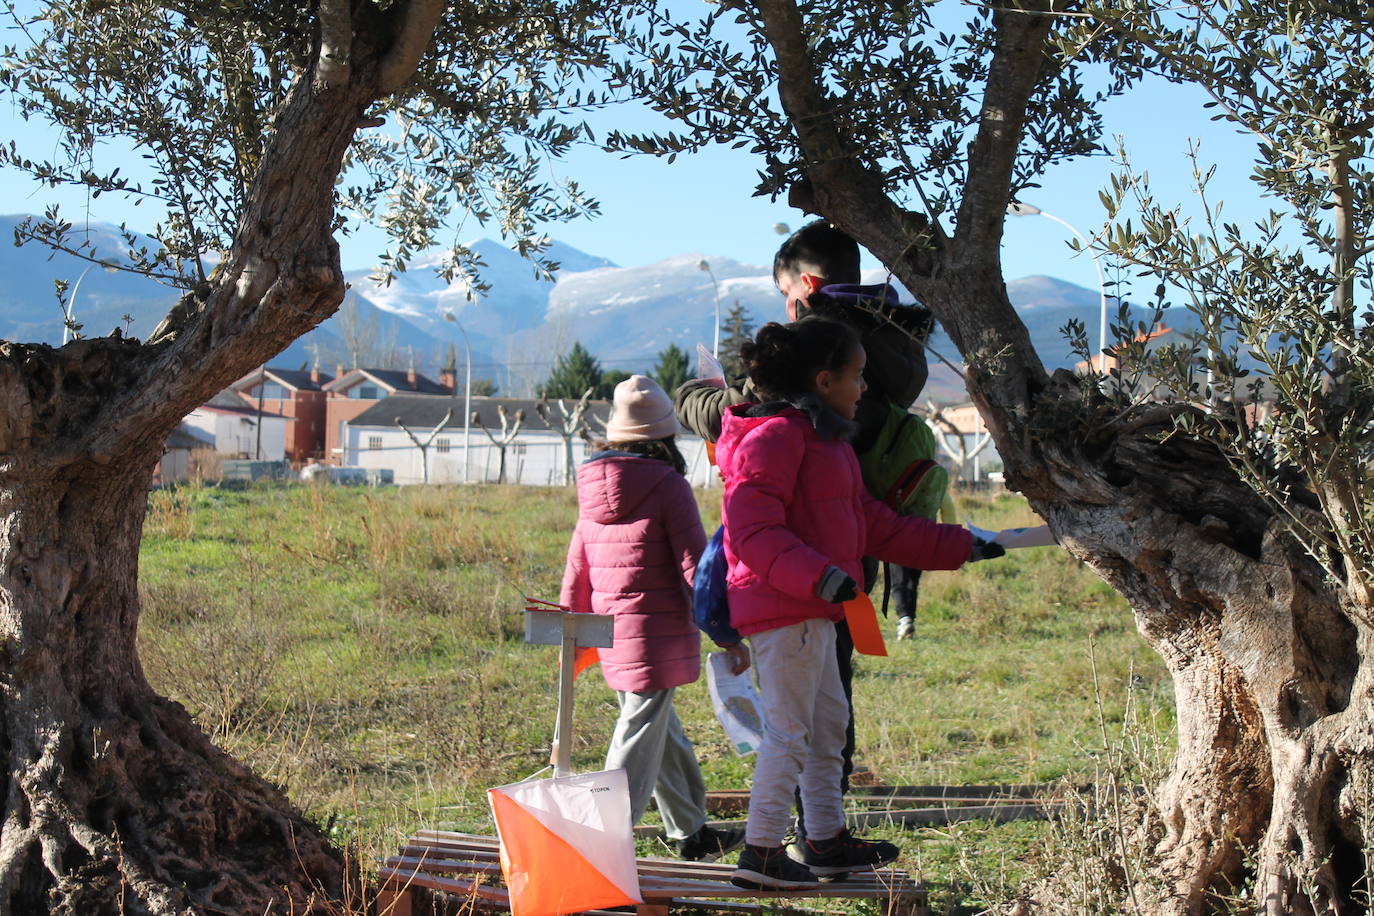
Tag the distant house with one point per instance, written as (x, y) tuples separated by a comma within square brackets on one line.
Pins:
[(1111, 359), (175, 464), (536, 456), (240, 431), (353, 392), (296, 393)]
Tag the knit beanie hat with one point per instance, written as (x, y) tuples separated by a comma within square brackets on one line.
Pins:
[(641, 411)]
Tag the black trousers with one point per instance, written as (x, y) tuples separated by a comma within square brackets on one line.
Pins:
[(903, 584)]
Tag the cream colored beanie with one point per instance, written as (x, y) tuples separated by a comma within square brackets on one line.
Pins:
[(641, 410)]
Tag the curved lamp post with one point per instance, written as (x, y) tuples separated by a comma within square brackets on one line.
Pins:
[(703, 264), (1021, 209)]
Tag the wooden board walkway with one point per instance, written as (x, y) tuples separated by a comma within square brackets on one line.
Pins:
[(873, 806), (468, 867)]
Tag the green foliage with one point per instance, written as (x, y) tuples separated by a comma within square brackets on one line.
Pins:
[(483, 388), (195, 87), (573, 373), (907, 92), (1281, 375), (672, 369), (609, 379), (737, 329)]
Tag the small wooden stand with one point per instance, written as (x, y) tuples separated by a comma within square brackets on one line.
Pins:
[(571, 631)]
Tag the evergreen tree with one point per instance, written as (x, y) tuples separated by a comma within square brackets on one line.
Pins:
[(609, 379), (737, 328), (575, 372), (672, 368)]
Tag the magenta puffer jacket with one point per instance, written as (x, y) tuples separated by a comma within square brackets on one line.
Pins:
[(795, 504), (633, 554)]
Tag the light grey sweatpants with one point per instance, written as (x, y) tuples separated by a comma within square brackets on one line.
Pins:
[(805, 713), (659, 761)]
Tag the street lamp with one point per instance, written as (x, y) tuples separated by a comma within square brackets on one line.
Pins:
[(467, 393), (715, 345), (1020, 209)]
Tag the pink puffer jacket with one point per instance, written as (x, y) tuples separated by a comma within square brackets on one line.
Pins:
[(633, 554), (795, 504)]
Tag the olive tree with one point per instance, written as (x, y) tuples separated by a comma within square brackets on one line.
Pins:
[(1280, 381), (1241, 546), (259, 121)]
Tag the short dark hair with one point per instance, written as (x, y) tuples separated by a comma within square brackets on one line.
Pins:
[(784, 359), (821, 249)]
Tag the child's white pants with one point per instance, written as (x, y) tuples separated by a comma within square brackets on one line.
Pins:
[(659, 760), (806, 713)]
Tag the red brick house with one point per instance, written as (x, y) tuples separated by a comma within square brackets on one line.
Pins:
[(354, 391), (295, 393)]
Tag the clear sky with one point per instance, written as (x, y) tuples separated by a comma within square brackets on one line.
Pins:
[(702, 203)]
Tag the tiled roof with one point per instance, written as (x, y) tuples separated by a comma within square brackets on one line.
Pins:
[(396, 381), (296, 379), (425, 412)]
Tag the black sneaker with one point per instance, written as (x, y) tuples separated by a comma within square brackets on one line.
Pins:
[(833, 859), (709, 844), (762, 868)]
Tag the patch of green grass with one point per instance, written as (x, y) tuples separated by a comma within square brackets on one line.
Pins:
[(364, 648)]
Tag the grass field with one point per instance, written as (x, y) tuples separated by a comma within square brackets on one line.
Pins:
[(364, 649)]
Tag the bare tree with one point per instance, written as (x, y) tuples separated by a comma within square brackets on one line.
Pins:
[(952, 440), (429, 440), (572, 424), (510, 428)]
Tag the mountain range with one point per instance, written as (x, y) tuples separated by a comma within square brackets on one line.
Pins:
[(623, 315)]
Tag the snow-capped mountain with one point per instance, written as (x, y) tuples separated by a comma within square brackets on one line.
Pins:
[(623, 315)]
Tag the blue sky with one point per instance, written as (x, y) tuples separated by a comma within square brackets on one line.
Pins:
[(702, 203)]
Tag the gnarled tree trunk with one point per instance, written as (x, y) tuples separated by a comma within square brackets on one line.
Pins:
[(117, 802)]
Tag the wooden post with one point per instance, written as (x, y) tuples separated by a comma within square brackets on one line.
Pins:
[(562, 739), (568, 630)]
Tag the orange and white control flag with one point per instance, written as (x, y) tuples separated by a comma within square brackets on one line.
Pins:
[(567, 844)]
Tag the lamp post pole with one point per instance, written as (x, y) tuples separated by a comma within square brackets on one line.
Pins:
[(70, 317), (1021, 209), (705, 265), (467, 396)]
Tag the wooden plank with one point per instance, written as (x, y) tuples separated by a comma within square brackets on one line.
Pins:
[(731, 800), (474, 891), (430, 857), (667, 878), (999, 812)]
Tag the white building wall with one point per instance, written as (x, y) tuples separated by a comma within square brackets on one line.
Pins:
[(235, 437), (533, 459)]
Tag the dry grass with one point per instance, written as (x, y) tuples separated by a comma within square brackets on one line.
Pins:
[(367, 655)]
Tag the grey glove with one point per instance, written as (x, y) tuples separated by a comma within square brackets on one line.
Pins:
[(985, 550), (836, 587)]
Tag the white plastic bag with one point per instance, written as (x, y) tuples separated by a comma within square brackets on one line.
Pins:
[(735, 700), (708, 367)]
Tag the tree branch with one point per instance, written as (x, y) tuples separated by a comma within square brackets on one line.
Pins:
[(336, 44), (419, 18), (839, 185), (1017, 63)]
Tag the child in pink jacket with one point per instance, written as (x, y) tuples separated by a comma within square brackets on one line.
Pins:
[(798, 520), (633, 555)]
